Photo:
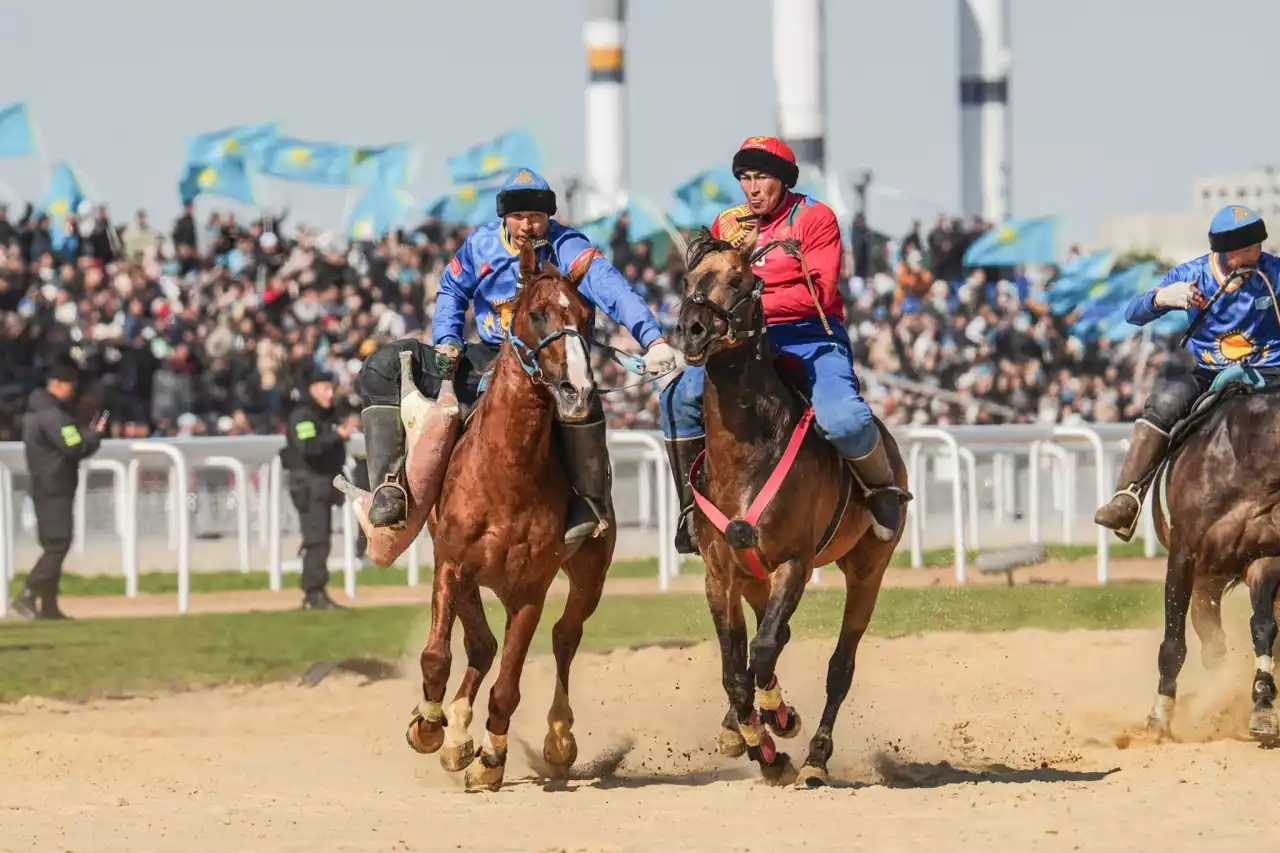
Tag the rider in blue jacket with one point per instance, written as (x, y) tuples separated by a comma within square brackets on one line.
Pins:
[(1241, 327), (485, 274)]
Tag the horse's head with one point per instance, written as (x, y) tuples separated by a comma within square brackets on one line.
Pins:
[(721, 305), (548, 333)]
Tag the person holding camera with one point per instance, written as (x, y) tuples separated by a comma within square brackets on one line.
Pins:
[(55, 446)]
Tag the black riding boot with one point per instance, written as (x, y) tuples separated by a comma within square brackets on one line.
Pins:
[(25, 605), (586, 459), (384, 444), (680, 453), (884, 499)]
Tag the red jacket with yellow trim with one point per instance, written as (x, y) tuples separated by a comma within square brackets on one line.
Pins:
[(485, 271), (786, 294)]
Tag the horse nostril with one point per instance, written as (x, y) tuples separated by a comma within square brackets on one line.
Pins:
[(697, 330), (568, 391)]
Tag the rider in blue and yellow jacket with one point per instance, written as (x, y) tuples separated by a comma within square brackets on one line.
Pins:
[(1241, 327), (485, 274)]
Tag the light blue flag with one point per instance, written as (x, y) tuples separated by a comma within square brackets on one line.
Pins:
[(515, 148), (62, 195), (16, 139), (326, 163), (1077, 278), (381, 165), (248, 141), (228, 177), (1017, 241), (1105, 305), (701, 198), (465, 205), (641, 225), (379, 210)]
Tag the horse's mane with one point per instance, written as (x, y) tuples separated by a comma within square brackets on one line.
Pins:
[(704, 244)]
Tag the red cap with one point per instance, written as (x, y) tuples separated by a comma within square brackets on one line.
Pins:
[(772, 145), (769, 155)]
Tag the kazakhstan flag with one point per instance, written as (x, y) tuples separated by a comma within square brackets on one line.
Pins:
[(247, 141), (227, 177), (516, 148), (63, 194), (1103, 312), (16, 139), (382, 165), (325, 163), (701, 198), (641, 225), (379, 211), (1017, 241), (465, 205)]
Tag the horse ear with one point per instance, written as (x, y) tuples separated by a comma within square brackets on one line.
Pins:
[(528, 262), (578, 272)]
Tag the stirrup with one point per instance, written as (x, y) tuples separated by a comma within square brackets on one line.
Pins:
[(394, 484), (602, 523), (1137, 495)]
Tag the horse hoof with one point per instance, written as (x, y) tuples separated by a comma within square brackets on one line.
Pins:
[(790, 730), (423, 739), (481, 777), (1159, 729), (1264, 725), (560, 753), (781, 773), (811, 777), (456, 756), (731, 744)]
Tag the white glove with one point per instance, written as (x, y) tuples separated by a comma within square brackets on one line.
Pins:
[(1180, 294), (660, 358)]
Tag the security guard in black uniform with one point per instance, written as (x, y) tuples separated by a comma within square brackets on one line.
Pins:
[(55, 445), (315, 451)]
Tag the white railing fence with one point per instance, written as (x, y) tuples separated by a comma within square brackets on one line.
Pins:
[(974, 487)]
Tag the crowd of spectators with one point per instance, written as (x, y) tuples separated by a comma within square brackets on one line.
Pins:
[(212, 328)]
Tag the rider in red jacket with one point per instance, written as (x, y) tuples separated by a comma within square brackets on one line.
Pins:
[(804, 313)]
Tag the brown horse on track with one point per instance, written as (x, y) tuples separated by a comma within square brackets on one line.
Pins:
[(1218, 518), (751, 416), (500, 524)]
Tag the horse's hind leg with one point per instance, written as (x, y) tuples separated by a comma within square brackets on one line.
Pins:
[(782, 719), (1206, 619), (1263, 577), (861, 591), (426, 730), (481, 648), (586, 573), (486, 772), (1173, 649)]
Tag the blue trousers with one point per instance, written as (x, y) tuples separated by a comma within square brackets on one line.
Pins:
[(839, 410)]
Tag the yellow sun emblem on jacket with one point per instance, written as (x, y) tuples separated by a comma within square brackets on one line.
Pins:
[(1235, 345)]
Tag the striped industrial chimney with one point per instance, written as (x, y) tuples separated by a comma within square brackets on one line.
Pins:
[(799, 67), (984, 109), (606, 118)]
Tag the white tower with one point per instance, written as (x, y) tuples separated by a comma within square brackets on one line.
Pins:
[(799, 67), (606, 119), (984, 109)]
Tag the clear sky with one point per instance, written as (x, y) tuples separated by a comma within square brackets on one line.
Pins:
[(1116, 104)]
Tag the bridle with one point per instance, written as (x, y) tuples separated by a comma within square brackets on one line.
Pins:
[(528, 356), (736, 327)]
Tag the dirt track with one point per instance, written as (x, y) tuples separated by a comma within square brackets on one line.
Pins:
[(948, 742)]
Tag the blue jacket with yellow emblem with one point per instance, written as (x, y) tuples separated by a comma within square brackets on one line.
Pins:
[(484, 274), (1242, 326)]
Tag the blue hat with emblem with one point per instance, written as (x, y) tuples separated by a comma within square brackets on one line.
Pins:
[(1236, 227), (524, 191)]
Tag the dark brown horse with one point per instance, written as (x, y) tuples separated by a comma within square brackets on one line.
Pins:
[(500, 524), (1218, 513), (815, 517)]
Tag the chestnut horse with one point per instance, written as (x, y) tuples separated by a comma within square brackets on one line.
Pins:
[(755, 421), (499, 524), (1216, 510)]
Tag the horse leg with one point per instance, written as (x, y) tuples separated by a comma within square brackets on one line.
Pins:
[(485, 773), (725, 604), (586, 583), (481, 648), (426, 730), (1173, 649), (1263, 577), (1206, 619), (788, 586), (783, 720), (859, 603)]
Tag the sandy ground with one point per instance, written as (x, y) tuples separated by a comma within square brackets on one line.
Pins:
[(948, 742), (1076, 572)]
